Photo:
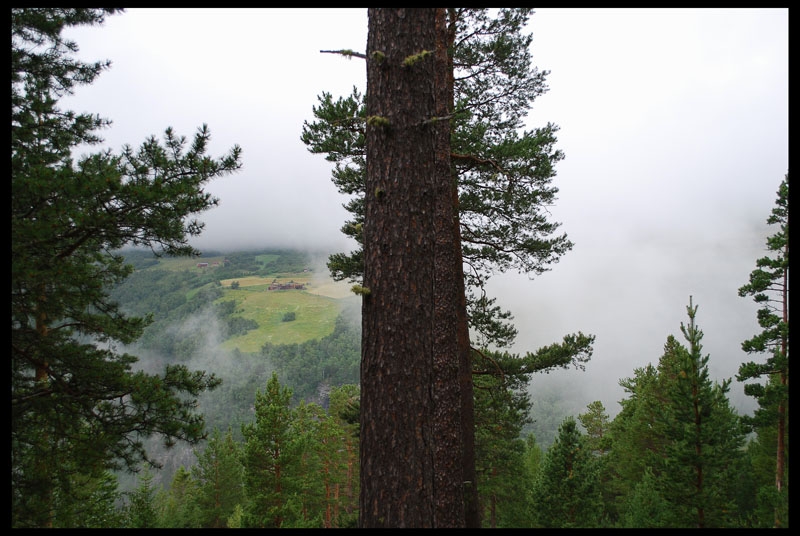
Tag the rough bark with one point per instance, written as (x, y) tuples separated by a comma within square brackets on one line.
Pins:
[(415, 342)]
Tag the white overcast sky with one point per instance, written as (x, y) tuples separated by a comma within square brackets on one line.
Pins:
[(674, 123)]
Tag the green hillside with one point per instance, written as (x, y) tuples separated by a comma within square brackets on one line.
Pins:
[(315, 315), (174, 289)]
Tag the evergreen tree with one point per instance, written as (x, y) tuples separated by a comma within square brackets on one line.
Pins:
[(143, 511), (269, 455), (596, 423), (645, 508), (703, 436), (634, 442), (236, 519), (92, 502), (334, 469), (567, 493), (417, 445), (769, 287), (218, 476), (344, 408), (502, 405), (504, 176), (310, 479), (533, 456), (75, 401), (179, 503), (598, 440)]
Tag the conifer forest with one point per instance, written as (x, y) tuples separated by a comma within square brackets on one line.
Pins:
[(155, 385)]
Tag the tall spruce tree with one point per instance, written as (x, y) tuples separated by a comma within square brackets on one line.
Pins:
[(769, 287), (179, 507), (269, 456), (702, 434), (634, 442), (218, 476), (75, 400), (567, 492)]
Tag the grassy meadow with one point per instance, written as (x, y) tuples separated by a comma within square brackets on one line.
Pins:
[(315, 308)]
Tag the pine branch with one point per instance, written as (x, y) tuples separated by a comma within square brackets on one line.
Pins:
[(346, 52)]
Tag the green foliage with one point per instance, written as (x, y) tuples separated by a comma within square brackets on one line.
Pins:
[(268, 456), (218, 478), (289, 317), (143, 511), (596, 423), (677, 426), (769, 287), (75, 399), (703, 436), (504, 175), (235, 521), (89, 501), (502, 409), (293, 458), (567, 493), (645, 508), (179, 507), (332, 360)]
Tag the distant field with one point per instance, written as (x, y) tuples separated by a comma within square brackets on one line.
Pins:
[(316, 307), (315, 316), (251, 282), (179, 264), (314, 285)]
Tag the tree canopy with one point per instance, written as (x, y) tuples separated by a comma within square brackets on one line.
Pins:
[(77, 401), (504, 174)]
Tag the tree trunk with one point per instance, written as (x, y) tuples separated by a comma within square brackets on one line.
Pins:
[(455, 287), (413, 345)]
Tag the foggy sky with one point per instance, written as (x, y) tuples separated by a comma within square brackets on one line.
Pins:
[(674, 123)]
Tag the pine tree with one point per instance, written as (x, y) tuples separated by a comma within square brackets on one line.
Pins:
[(335, 466), (504, 175), (703, 436), (502, 178), (218, 476), (416, 437), (179, 508), (309, 479), (502, 405), (268, 457), (634, 442), (596, 423), (645, 508), (92, 502), (75, 400), (143, 508), (567, 493), (769, 287), (344, 408), (598, 440)]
